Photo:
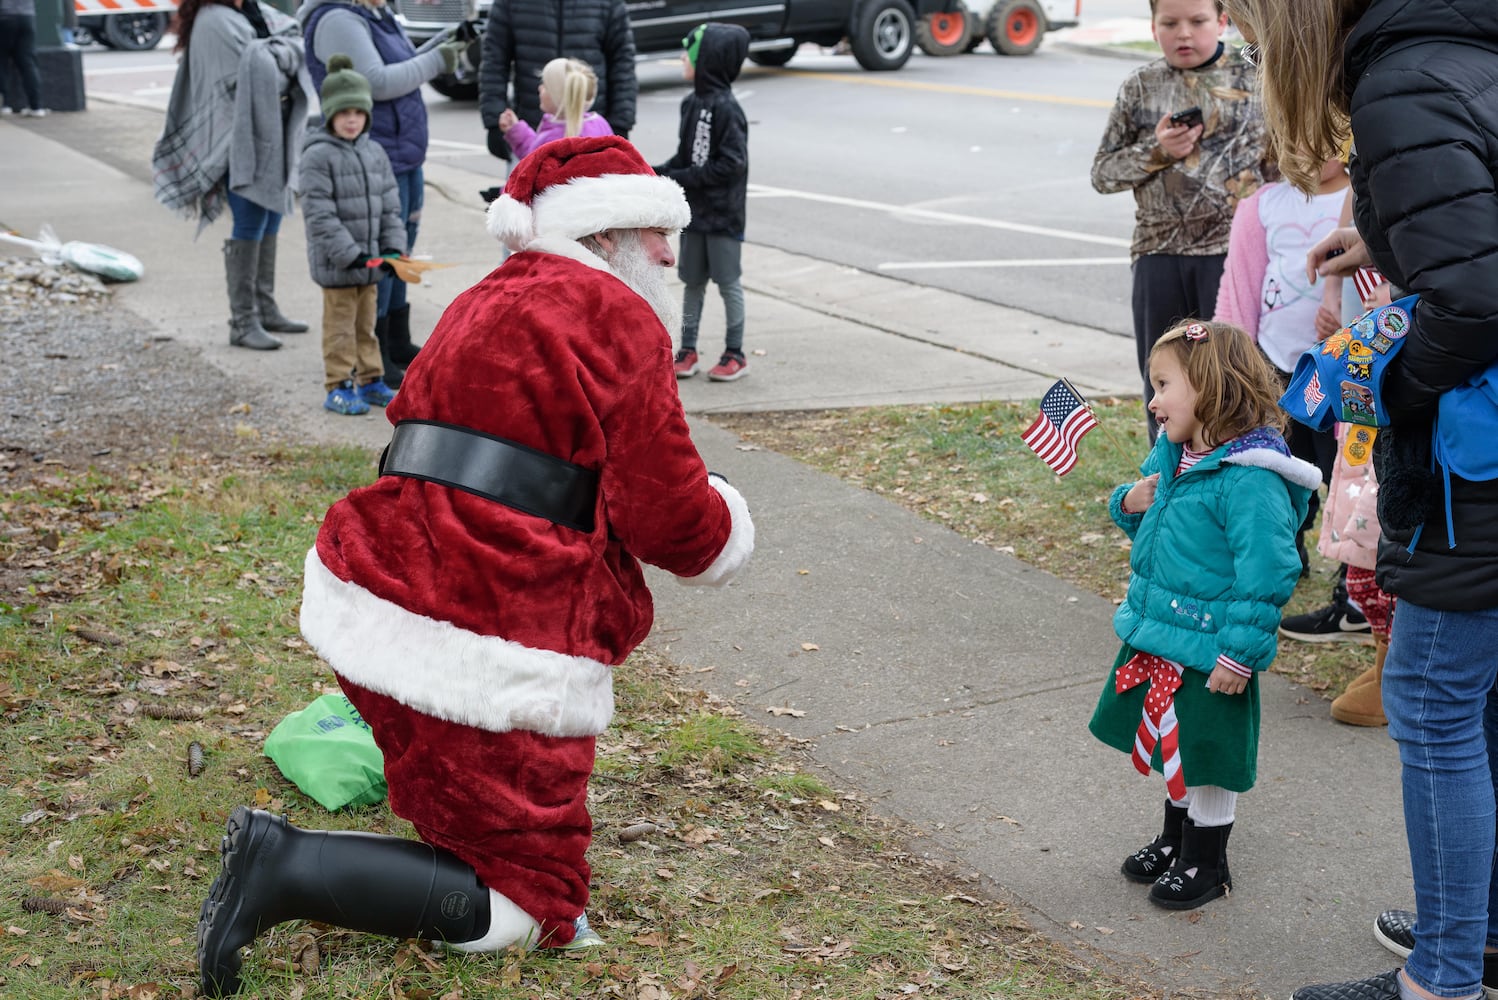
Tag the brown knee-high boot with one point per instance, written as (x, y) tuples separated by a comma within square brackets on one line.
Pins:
[(1362, 704)]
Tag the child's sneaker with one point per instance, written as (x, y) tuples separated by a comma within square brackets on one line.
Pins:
[(377, 393), (345, 399), (729, 367), (686, 363)]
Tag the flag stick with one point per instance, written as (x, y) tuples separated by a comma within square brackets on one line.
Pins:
[(1112, 439)]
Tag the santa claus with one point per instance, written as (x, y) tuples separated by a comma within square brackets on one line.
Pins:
[(474, 600)]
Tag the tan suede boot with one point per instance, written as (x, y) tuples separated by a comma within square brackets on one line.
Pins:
[(1375, 672), (1362, 704)]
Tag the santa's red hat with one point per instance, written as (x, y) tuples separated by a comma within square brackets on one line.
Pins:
[(570, 188)]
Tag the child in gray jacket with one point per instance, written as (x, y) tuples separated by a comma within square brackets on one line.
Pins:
[(352, 210)]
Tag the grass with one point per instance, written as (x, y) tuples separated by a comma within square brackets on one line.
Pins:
[(150, 643)]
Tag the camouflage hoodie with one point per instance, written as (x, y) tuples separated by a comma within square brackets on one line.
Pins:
[(1184, 206)]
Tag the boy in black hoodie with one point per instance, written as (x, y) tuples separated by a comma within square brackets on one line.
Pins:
[(712, 166)]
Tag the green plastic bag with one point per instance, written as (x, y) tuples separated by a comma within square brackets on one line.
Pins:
[(329, 752)]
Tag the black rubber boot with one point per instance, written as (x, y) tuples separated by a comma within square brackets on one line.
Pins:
[(1153, 859), (395, 374), (265, 292), (273, 872), (241, 265), (1200, 874), (402, 351)]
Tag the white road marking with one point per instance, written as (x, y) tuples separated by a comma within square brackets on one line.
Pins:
[(169, 67), (763, 191), (938, 265)]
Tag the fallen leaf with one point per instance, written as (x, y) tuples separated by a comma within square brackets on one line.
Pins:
[(794, 713), (809, 647)]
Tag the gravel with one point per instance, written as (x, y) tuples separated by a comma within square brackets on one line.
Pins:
[(88, 384)]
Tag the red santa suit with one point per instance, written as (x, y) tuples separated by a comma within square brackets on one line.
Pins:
[(478, 640)]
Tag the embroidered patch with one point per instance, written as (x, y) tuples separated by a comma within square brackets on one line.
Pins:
[(1313, 394), (1394, 322), (1337, 342), (1381, 343), (1357, 404), (1357, 447), (1359, 363)]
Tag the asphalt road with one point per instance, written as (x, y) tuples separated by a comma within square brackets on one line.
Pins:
[(968, 174)]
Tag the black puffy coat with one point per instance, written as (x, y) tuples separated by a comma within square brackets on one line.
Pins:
[(712, 154), (1425, 123), (525, 35)]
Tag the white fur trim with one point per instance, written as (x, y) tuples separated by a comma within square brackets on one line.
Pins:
[(441, 670), (508, 924), (738, 548), (587, 205), (1296, 470), (571, 249), (510, 222)]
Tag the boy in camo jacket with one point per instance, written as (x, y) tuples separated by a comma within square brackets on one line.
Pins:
[(1186, 177)]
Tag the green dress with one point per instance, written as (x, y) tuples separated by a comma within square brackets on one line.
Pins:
[(1218, 734), (1212, 564)]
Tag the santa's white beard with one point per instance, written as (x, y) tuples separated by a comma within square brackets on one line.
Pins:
[(633, 266)]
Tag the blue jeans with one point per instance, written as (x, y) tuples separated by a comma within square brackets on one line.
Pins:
[(251, 221), (1442, 709), (411, 185)]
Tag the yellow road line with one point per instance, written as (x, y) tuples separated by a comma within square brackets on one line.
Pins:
[(875, 80)]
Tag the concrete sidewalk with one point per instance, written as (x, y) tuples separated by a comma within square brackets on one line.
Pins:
[(951, 683)]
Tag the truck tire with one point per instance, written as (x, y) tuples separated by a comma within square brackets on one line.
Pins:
[(1015, 27), (947, 34), (773, 57), (134, 32), (883, 34), (454, 89)]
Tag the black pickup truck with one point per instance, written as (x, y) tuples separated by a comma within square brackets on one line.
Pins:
[(881, 33)]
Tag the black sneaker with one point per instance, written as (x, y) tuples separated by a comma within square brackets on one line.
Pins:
[(1395, 930), (1333, 623), (1384, 987)]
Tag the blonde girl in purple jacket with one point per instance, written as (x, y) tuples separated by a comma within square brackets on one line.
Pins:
[(567, 90)]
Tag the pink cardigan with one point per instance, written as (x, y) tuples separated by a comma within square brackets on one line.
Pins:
[(1242, 286)]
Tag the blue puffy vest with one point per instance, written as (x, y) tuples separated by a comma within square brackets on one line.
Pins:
[(398, 125)]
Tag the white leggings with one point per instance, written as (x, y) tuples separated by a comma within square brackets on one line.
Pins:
[(1208, 805)]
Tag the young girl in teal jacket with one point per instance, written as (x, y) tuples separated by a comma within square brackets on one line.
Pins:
[(1213, 521)]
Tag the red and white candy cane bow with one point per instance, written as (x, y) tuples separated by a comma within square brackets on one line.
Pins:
[(1159, 722)]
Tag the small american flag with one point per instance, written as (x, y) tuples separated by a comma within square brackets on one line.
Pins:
[(1064, 418), (1366, 279)]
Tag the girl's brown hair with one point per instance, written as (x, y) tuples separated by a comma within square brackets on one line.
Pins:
[(187, 13), (1237, 389), (1301, 77)]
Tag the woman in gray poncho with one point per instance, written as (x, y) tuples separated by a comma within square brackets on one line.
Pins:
[(232, 136)]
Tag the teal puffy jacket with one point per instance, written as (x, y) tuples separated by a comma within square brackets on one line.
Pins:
[(1214, 556)]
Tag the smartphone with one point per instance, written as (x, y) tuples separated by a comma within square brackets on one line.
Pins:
[(1190, 118)]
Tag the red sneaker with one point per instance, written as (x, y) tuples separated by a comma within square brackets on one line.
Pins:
[(686, 363), (728, 368)]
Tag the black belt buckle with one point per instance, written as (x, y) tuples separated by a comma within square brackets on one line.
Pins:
[(494, 468)]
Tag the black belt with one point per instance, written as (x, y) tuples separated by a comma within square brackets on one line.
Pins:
[(495, 469)]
